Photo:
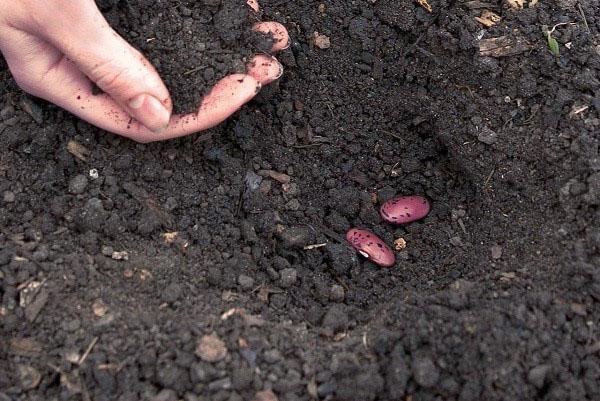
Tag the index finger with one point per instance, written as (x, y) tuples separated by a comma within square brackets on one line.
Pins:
[(253, 5)]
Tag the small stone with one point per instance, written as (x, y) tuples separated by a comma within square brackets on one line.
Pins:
[(456, 241), (253, 180), (222, 384), (266, 395), (337, 293), (99, 308), (293, 205), (242, 378), (295, 237), (107, 250), (487, 136), (172, 293), (246, 282), (72, 325), (272, 356), (31, 108), (496, 251), (165, 395), (211, 349), (579, 309), (336, 318), (321, 41), (78, 184), (425, 373), (288, 277), (9, 196), (537, 375)]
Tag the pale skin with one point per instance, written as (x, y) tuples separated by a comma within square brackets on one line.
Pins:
[(47, 46)]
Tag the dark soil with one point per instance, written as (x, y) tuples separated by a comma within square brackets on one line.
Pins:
[(192, 44), (496, 296)]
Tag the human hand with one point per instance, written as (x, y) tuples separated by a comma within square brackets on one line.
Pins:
[(49, 49)]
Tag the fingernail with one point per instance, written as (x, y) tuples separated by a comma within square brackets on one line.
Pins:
[(150, 112), (288, 44), (280, 70), (159, 131)]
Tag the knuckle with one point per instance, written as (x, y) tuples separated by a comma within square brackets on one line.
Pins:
[(109, 76)]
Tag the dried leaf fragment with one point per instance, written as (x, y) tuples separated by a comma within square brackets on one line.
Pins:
[(78, 150), (488, 18), (25, 347), (170, 237), (400, 244), (321, 41), (515, 4), (425, 5), (503, 46), (120, 255)]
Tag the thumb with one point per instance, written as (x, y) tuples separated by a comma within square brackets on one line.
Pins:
[(113, 65)]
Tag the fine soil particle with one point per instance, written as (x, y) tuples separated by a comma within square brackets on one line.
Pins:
[(221, 254), (192, 44)]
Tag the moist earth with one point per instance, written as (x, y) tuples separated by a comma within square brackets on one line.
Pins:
[(214, 267), (192, 44)]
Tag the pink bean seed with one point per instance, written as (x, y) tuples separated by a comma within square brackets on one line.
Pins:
[(405, 209), (371, 246)]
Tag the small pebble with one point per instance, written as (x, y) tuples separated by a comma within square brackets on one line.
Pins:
[(288, 277), (405, 209), (78, 184), (337, 293), (211, 349), (9, 196), (107, 250), (165, 395), (425, 373), (487, 136), (266, 395), (172, 293), (371, 247), (246, 282), (496, 251)]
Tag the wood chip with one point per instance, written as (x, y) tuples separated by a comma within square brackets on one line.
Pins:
[(120, 255), (515, 4), (78, 150), (170, 237), (25, 347), (34, 308), (488, 18), (277, 176), (503, 46), (425, 5), (507, 276)]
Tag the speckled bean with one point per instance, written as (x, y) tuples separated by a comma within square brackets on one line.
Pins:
[(405, 209), (371, 247)]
